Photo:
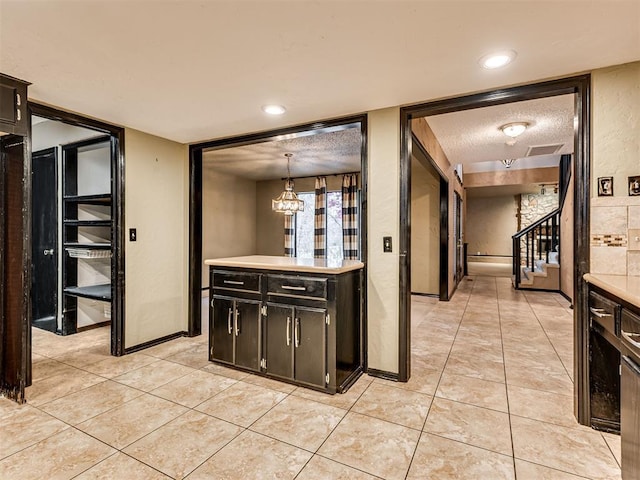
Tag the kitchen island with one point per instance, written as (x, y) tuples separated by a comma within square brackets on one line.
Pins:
[(291, 319)]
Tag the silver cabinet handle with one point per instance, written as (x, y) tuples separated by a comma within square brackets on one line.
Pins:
[(288, 331), (48, 252), (233, 282), (237, 322), (229, 329), (290, 287), (296, 335), (629, 337), (599, 312)]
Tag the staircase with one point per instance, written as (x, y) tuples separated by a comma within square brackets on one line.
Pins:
[(536, 258)]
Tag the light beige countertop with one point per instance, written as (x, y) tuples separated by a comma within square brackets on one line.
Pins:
[(626, 287), (289, 264)]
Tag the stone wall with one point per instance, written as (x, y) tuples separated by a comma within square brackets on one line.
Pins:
[(534, 206)]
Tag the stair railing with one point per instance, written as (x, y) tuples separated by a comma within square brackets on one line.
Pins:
[(542, 237)]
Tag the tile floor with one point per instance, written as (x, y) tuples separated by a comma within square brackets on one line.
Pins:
[(490, 398)]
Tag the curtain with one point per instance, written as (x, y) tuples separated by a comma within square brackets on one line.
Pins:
[(350, 216), (289, 236), (320, 219)]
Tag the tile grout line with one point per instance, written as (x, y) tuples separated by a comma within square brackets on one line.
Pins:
[(438, 382)]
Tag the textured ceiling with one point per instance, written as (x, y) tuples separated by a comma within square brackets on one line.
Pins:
[(196, 70), (474, 136), (319, 154)]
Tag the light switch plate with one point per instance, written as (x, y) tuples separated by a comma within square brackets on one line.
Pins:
[(633, 240)]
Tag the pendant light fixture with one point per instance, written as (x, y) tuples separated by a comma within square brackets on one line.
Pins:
[(287, 202)]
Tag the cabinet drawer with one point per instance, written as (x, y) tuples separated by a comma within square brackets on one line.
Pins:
[(604, 312), (297, 286), (236, 280)]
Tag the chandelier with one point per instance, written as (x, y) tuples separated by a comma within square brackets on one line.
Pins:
[(287, 202)]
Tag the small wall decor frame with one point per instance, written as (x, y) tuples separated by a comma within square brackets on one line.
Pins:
[(605, 186), (634, 185)]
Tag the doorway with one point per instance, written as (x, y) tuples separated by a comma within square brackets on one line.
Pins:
[(77, 213), (300, 136), (580, 86), (430, 226), (44, 247)]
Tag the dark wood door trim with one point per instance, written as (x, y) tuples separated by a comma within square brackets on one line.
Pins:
[(118, 208), (443, 290), (15, 256), (581, 87)]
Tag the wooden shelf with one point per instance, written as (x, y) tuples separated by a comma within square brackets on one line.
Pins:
[(94, 292), (87, 223), (92, 246), (98, 199)]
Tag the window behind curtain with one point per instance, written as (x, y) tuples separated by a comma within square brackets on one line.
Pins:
[(305, 226)]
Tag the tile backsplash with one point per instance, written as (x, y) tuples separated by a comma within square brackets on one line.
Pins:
[(614, 228)]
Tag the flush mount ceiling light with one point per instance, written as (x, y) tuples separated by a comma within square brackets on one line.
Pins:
[(514, 129), (288, 202), (273, 109), (497, 59), (507, 162)]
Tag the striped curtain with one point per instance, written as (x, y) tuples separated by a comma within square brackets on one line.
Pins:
[(350, 216), (320, 219), (289, 236)]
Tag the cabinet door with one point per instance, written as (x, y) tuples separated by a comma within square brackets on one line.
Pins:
[(222, 329), (246, 332), (279, 340), (310, 345)]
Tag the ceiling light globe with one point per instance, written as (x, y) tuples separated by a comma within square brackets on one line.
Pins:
[(498, 59), (273, 109), (514, 129)]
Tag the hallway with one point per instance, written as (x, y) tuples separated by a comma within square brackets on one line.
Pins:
[(490, 397)]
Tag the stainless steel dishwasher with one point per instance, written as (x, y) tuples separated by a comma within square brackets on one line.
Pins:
[(630, 395)]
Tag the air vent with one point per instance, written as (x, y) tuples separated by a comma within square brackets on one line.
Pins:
[(544, 150)]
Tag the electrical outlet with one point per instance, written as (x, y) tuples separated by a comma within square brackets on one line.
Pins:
[(633, 239)]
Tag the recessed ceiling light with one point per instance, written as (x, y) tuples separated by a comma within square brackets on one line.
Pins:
[(514, 129), (498, 59), (273, 109)]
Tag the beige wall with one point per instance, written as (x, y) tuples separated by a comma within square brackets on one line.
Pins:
[(270, 224), (615, 152), (424, 133), (228, 217), (425, 229), (511, 177), (383, 220), (156, 203), (491, 221)]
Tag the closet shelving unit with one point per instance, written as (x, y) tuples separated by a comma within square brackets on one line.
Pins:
[(87, 231)]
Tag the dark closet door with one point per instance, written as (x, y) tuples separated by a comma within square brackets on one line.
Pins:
[(44, 280)]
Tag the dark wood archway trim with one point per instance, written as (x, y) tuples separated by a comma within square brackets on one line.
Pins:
[(581, 87), (117, 188), (195, 202)]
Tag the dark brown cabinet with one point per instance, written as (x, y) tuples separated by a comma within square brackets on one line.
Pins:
[(13, 106), (300, 328), (236, 341), (296, 344)]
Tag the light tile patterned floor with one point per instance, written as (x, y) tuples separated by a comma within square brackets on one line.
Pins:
[(490, 397)]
